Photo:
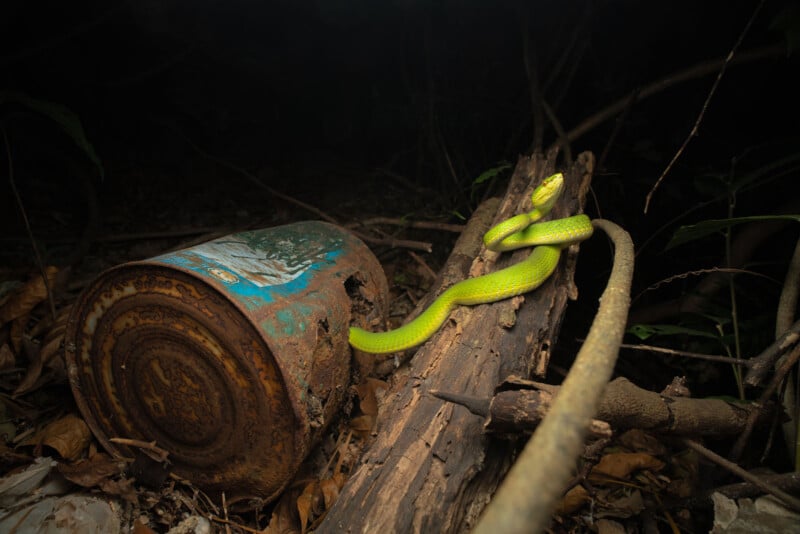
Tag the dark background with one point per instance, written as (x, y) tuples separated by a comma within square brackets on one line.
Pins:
[(365, 108)]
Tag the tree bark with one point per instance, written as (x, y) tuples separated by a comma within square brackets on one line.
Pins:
[(431, 468), (520, 405)]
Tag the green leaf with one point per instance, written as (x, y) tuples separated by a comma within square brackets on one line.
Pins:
[(491, 173), (646, 331), (693, 232), (61, 115)]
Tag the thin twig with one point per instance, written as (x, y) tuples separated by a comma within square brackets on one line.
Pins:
[(227, 522), (425, 267), (697, 272), (787, 499), (765, 362), (567, 56), (147, 447), (250, 177), (225, 514), (28, 229), (563, 141), (702, 113), (395, 243), (405, 182), (533, 87), (780, 374), (697, 71), (601, 161), (405, 223), (687, 354), (391, 242)]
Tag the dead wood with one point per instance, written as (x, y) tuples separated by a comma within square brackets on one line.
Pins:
[(520, 405), (431, 468), (624, 406)]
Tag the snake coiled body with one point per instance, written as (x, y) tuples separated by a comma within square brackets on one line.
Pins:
[(548, 238)]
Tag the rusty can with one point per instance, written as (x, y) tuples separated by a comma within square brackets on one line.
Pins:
[(232, 355)]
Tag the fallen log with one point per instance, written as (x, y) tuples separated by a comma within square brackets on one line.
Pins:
[(431, 467)]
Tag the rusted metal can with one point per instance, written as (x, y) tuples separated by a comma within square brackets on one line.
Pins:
[(231, 355)]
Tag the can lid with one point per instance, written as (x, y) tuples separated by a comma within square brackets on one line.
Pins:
[(156, 354)]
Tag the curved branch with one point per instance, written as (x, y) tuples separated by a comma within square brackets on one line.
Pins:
[(787, 304), (702, 69), (526, 499)]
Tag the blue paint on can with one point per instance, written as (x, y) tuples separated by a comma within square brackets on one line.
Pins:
[(261, 267)]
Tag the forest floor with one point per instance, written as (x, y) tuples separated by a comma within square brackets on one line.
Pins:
[(635, 479)]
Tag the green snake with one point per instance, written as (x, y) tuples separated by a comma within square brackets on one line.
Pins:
[(520, 231)]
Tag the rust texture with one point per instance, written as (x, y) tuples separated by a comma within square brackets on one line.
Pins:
[(231, 355)]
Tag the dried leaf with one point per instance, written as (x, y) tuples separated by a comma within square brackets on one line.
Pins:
[(284, 518), (365, 362), (90, 472), (628, 504), (69, 436), (362, 425), (51, 356), (51, 344), (330, 491), (621, 464), (368, 396), (123, 488), (305, 504), (347, 456), (27, 296), (607, 526), (140, 528), (574, 499), (34, 370)]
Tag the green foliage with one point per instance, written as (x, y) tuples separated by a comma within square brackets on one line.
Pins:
[(68, 121), (736, 326), (646, 331), (487, 178), (693, 232), (727, 186), (490, 174)]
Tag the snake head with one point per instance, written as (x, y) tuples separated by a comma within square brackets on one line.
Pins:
[(547, 193)]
